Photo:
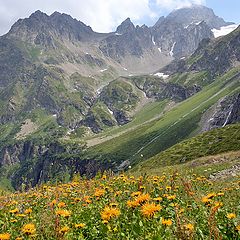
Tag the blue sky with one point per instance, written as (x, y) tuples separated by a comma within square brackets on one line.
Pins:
[(227, 9), (106, 15)]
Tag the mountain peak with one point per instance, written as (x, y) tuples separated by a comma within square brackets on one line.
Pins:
[(125, 26), (196, 13), (159, 21), (38, 15), (59, 25)]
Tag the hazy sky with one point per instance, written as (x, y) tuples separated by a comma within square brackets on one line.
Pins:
[(106, 15)]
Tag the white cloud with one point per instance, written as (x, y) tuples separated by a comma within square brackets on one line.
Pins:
[(173, 4), (101, 15)]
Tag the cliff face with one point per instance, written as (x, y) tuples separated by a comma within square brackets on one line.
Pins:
[(226, 111), (36, 163)]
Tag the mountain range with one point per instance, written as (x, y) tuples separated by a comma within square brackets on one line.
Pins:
[(127, 95)]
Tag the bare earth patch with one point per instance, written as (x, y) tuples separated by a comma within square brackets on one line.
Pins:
[(27, 128), (232, 171)]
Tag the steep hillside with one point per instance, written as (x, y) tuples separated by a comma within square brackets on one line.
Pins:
[(179, 123), (213, 142)]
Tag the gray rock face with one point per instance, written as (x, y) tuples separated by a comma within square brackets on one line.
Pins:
[(218, 56), (226, 111), (177, 35), (40, 28), (128, 40), (175, 39), (125, 27), (196, 14)]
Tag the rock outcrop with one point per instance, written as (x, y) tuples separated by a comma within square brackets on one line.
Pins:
[(226, 111)]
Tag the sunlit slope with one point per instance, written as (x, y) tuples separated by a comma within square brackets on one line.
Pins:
[(214, 142), (176, 125)]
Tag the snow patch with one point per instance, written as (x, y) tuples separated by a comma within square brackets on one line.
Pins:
[(70, 131), (161, 75), (110, 111), (103, 70), (159, 49), (171, 52), (211, 119), (125, 69), (118, 34), (229, 114), (224, 30), (154, 43), (198, 23)]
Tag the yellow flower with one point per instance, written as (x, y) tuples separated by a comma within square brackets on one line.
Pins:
[(206, 199), (142, 198), (99, 192), (135, 194), (16, 210), (231, 215), (20, 215), (171, 197), (80, 225), (77, 199), (63, 213), (211, 195), (109, 212), (61, 205), (5, 236), (167, 222), (238, 228), (28, 211), (104, 177), (189, 227), (173, 204), (117, 193), (13, 220), (113, 204), (29, 229), (220, 194), (158, 199), (53, 202), (132, 204), (64, 230), (181, 210), (217, 205), (149, 209)]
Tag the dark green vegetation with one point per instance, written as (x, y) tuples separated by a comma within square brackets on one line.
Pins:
[(210, 143)]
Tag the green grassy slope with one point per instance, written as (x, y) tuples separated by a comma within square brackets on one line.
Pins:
[(209, 143), (174, 126)]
